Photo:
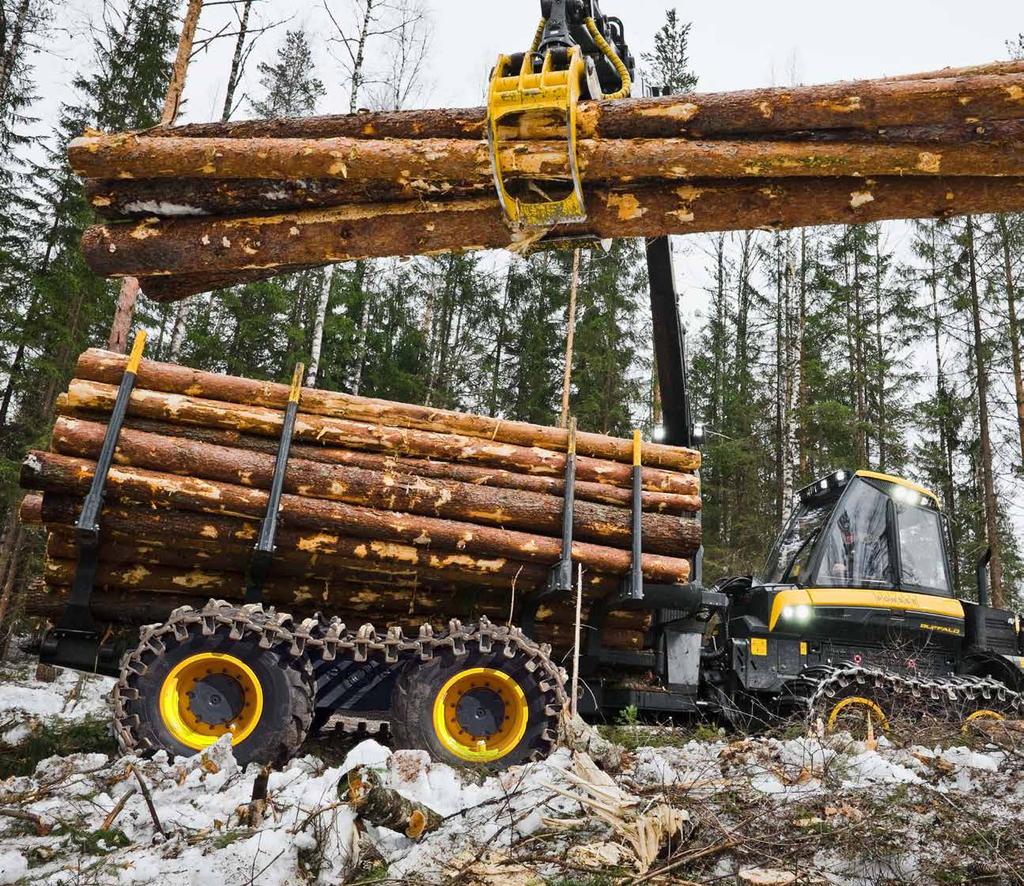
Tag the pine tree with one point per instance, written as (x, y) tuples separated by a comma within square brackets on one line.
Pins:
[(288, 85), (668, 67)]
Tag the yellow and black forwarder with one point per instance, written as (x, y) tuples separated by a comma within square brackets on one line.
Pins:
[(855, 614)]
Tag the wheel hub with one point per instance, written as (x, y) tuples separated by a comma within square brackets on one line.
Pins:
[(216, 699), (480, 712)]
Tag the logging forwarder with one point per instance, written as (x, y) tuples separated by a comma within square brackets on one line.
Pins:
[(854, 614)]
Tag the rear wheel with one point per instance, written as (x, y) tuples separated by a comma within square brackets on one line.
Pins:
[(476, 708), (222, 671)]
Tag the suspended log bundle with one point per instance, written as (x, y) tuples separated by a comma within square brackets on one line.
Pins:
[(209, 205), (390, 512)]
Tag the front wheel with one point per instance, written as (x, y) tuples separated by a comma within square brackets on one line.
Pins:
[(484, 708), (209, 673)]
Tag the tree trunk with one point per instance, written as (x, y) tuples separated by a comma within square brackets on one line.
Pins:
[(1014, 329), (570, 335), (58, 473), (130, 287), (219, 251), (11, 42), (867, 105), (987, 471), (383, 491), (318, 329), (235, 74)]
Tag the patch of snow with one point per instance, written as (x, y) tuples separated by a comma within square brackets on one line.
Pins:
[(13, 866)]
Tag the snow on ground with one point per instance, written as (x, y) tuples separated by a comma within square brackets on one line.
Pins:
[(756, 810)]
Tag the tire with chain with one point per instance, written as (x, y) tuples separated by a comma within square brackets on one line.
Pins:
[(285, 658), (508, 698), (953, 698), (207, 672)]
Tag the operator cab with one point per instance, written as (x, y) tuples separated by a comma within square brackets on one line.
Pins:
[(863, 530)]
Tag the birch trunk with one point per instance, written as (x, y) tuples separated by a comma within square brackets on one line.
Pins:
[(318, 329)]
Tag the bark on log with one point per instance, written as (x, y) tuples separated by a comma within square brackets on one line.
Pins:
[(223, 246), (53, 472), (980, 93), (123, 548), (654, 502), (108, 368), (119, 608), (444, 163), (191, 529), (385, 491), (31, 511), (385, 807), (196, 197)]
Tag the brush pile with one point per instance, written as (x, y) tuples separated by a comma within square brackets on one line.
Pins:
[(390, 511), (202, 206)]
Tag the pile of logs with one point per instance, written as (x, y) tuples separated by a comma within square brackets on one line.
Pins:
[(197, 207), (391, 512)]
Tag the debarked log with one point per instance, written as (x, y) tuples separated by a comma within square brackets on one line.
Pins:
[(388, 491), (440, 164), (59, 473), (157, 247)]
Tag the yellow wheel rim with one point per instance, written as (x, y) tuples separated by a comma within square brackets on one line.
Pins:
[(210, 695), (480, 715), (873, 715), (980, 714)]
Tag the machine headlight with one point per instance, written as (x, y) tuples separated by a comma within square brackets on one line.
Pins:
[(801, 613)]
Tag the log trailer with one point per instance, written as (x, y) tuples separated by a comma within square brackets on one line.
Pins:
[(854, 613)]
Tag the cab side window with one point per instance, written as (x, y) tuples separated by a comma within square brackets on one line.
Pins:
[(921, 551), (856, 548)]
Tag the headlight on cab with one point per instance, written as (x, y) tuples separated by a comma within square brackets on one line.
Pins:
[(800, 614)]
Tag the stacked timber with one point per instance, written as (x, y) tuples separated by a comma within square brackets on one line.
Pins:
[(391, 513), (202, 206)]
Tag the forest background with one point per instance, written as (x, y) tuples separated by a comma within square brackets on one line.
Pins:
[(893, 346)]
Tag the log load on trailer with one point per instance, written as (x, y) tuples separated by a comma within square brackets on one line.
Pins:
[(165, 486)]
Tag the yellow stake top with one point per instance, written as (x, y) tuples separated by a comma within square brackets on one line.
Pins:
[(138, 346), (296, 390), (637, 448)]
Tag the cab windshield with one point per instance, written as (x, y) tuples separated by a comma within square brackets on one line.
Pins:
[(872, 534)]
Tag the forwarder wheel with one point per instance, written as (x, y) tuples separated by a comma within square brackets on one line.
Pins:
[(202, 686), (478, 708)]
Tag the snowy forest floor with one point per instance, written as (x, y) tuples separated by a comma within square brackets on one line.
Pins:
[(764, 810)]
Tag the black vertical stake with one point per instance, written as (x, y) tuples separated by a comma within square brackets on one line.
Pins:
[(74, 640), (635, 591), (263, 553), (562, 575)]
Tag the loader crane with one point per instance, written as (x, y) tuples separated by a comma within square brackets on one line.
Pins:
[(854, 611)]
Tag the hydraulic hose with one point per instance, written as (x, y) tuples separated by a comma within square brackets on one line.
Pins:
[(613, 57)]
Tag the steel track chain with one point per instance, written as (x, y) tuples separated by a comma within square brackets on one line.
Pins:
[(312, 637), (954, 693)]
